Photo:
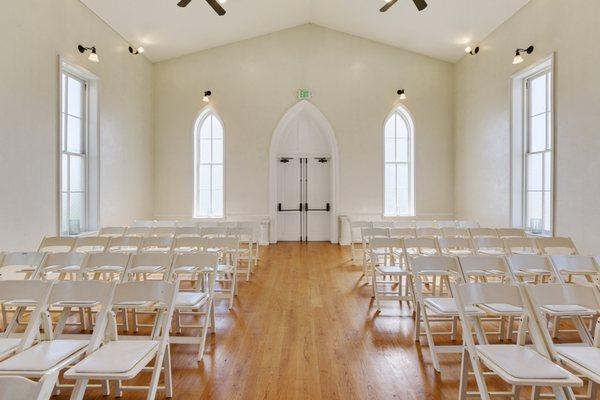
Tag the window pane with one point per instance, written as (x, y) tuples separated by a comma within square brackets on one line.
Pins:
[(74, 142), (537, 89), (63, 107), (204, 203), (64, 223), (390, 130), (549, 131), (74, 97), (390, 150), (403, 201), (217, 128), (402, 150), (534, 171), (64, 173), (217, 151), (401, 128), (205, 128), (547, 171), (217, 203), (402, 176), (537, 134), (204, 177), (217, 177), (547, 210), (205, 151), (76, 212), (390, 189), (77, 174), (534, 206)]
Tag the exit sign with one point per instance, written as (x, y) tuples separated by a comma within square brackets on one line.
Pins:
[(304, 94)]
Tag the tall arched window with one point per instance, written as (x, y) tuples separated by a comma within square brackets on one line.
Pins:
[(398, 164), (208, 156)]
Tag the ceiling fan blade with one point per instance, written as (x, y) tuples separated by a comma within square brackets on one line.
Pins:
[(183, 3), (421, 4), (387, 5), (216, 6)]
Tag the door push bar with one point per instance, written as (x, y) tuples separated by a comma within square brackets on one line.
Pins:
[(289, 209), (327, 208)]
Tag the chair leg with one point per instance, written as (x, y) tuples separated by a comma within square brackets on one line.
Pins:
[(79, 389), (153, 387), (464, 375), (430, 341), (168, 373), (207, 318), (417, 330), (232, 290)]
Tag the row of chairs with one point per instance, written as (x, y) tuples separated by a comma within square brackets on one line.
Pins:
[(141, 223), (105, 356), (415, 224)]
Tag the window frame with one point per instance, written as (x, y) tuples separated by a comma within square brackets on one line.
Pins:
[(90, 147), (202, 117), (520, 143), (406, 116)]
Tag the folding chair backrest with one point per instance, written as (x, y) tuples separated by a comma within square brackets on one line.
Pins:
[(557, 246), (112, 231), (186, 224), (452, 231), (385, 243), (187, 231), (489, 293), (213, 231), (448, 244), (368, 233), (468, 224), (521, 245), (56, 244), (202, 261), (434, 265), (18, 265), (447, 224), (163, 231), (32, 290), (483, 232), (484, 266), (404, 224), (421, 245), (244, 234), (489, 244), (55, 262), (403, 233), (575, 265), (143, 223), (425, 224), (149, 263), (127, 244), (226, 224), (561, 294), (157, 244), (356, 230), (383, 224), (188, 244), (222, 243), (138, 231), (91, 244), (20, 388), (107, 263), (523, 265), (164, 224), (511, 233), (429, 232)]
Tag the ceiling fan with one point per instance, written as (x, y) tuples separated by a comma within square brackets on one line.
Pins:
[(213, 3), (421, 5)]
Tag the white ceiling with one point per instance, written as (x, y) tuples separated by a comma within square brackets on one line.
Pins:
[(167, 31)]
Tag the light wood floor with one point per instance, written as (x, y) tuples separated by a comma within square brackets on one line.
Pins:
[(304, 328)]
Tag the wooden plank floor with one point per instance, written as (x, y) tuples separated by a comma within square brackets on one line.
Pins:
[(304, 328)]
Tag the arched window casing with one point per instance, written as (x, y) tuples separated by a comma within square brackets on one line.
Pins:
[(398, 188), (208, 171)]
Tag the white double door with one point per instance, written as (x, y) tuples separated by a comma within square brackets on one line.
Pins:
[(304, 197)]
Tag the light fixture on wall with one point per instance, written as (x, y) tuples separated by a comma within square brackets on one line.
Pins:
[(137, 51), (402, 94), (518, 58), (472, 51), (206, 97), (93, 56)]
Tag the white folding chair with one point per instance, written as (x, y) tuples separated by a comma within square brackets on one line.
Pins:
[(576, 269), (356, 238), (138, 231), (156, 244), (521, 245), (455, 246), (515, 364), (255, 226), (91, 244), (112, 231), (119, 360), (188, 244), (367, 234), (557, 246), (163, 231), (56, 244), (124, 244), (20, 265), (429, 232), (390, 278), (105, 266), (436, 307), (198, 302), (60, 266), (19, 388), (228, 250), (246, 241), (491, 246), (504, 233), (452, 231), (483, 232)]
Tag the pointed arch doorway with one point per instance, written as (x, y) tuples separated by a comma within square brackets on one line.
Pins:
[(303, 177)]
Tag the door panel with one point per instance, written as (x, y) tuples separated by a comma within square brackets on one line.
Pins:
[(317, 195), (289, 222)]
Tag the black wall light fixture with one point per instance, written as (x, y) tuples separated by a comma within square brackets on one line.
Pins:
[(137, 51), (518, 58), (93, 56), (472, 51), (402, 94), (206, 97)]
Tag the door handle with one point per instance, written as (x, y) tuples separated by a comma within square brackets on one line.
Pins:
[(327, 208), (279, 208)]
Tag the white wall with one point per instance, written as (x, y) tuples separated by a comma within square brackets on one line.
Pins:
[(354, 82), (482, 117), (34, 33)]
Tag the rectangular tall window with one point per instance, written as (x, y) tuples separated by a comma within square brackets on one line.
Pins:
[(538, 164), (209, 167), (398, 193)]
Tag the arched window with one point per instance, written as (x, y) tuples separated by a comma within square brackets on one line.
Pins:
[(208, 156), (398, 164)]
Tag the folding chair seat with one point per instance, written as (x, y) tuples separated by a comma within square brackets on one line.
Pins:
[(19, 388), (516, 364), (489, 246), (119, 359), (56, 244), (557, 246), (505, 233), (455, 246), (125, 244), (483, 232), (356, 239), (91, 244), (138, 231), (112, 231), (521, 245), (390, 278), (156, 244)]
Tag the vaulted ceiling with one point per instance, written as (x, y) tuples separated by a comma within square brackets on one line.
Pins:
[(441, 31)]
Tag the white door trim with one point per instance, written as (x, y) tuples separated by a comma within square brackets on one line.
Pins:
[(321, 121)]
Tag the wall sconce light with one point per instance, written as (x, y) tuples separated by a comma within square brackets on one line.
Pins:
[(472, 51), (137, 51), (206, 96), (402, 94), (518, 58), (93, 56)]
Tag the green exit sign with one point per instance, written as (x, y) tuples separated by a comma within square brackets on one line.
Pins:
[(304, 94)]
